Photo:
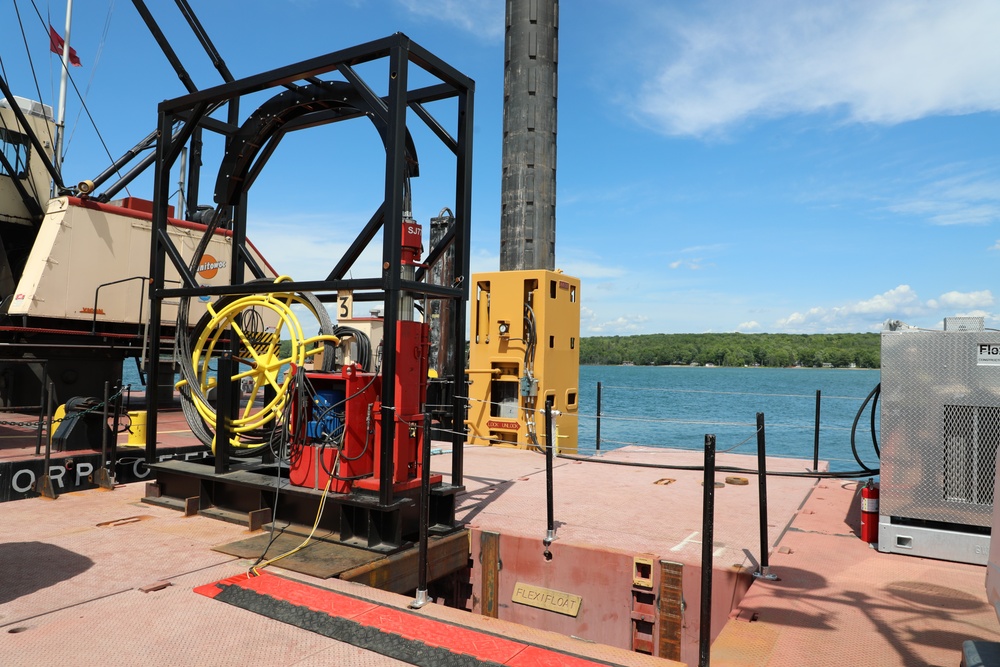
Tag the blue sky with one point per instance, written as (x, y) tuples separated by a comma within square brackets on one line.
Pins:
[(723, 166)]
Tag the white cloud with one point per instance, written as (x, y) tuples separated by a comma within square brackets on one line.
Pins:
[(748, 326), (484, 18), (963, 300), (996, 246), (692, 264), (901, 298), (871, 62), (899, 302), (964, 199), (624, 324)]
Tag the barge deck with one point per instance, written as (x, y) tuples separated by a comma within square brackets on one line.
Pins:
[(119, 575)]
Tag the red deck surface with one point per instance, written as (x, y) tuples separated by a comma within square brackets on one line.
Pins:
[(407, 624), (608, 514), (71, 593), (73, 570), (839, 602)]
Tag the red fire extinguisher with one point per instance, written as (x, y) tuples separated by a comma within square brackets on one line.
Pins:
[(869, 513)]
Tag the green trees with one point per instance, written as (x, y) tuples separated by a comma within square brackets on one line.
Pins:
[(734, 349)]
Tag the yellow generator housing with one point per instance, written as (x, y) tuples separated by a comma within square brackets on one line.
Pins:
[(524, 347)]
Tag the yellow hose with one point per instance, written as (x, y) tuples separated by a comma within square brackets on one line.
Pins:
[(263, 364)]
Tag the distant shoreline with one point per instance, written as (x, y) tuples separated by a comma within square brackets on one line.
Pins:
[(735, 350)]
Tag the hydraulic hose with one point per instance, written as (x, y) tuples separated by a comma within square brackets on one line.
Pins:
[(261, 350), (854, 427)]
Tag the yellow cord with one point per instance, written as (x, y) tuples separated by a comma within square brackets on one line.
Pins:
[(252, 572), (266, 363)]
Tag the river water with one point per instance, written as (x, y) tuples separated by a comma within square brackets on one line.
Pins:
[(668, 406), (671, 406)]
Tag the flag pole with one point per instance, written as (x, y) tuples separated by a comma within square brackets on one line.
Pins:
[(61, 116)]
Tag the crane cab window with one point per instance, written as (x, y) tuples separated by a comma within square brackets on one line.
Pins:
[(14, 146)]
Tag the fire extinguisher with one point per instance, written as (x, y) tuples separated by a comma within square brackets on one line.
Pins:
[(869, 513)]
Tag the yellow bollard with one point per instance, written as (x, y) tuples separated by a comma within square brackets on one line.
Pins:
[(137, 430)]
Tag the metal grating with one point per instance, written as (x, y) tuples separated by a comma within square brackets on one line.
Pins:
[(964, 323), (971, 434), (940, 418)]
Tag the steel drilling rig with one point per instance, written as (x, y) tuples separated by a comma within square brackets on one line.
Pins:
[(525, 318)]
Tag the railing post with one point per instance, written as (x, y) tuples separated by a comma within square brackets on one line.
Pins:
[(816, 434), (425, 496), (598, 443), (550, 535), (223, 411), (45, 487), (41, 408), (707, 558), (763, 572), (103, 477)]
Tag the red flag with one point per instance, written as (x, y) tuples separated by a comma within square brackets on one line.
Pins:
[(56, 45)]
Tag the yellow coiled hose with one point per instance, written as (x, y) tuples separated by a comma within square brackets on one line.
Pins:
[(262, 362)]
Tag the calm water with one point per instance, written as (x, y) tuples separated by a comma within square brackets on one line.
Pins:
[(677, 406)]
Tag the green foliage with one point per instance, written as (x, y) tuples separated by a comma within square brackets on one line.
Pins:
[(734, 349)]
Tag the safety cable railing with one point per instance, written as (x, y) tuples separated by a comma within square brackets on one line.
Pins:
[(105, 478), (644, 423)]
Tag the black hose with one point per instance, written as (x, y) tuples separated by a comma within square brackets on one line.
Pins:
[(851, 474), (878, 392), (363, 342), (854, 427)]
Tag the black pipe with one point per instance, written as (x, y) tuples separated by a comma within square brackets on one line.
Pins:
[(206, 42), (707, 532), (816, 434), (598, 444), (762, 497), (168, 50), (878, 391), (104, 425), (854, 428), (50, 400), (425, 497), (130, 155), (41, 408), (97, 294), (549, 502), (223, 412), (114, 441)]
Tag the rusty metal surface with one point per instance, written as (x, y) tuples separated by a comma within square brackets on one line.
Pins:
[(489, 556), (528, 207), (319, 558), (670, 612), (398, 572)]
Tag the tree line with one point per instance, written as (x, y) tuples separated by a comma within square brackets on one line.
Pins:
[(861, 350)]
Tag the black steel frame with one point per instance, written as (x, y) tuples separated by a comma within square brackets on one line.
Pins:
[(184, 117)]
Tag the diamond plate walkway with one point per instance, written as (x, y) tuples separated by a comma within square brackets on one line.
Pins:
[(397, 633), (839, 602), (98, 577)]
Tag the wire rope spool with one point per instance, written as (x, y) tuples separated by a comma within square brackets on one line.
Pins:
[(260, 361)]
